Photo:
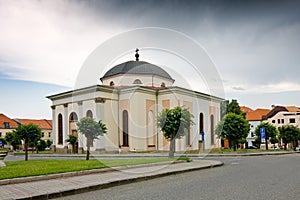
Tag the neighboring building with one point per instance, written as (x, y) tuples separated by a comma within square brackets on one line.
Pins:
[(254, 118), (44, 124), (6, 125), (128, 101), (283, 115), (246, 109)]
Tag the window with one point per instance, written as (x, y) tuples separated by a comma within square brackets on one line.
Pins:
[(43, 134), (0, 134), (252, 134), (273, 121), (282, 121), (212, 127), (111, 83), (125, 128), (137, 81), (60, 129), (201, 123), (89, 114), (163, 84), (73, 117), (252, 126), (278, 121), (6, 125), (49, 134), (292, 120)]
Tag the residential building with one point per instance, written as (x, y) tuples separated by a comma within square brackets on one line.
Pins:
[(283, 115), (6, 125), (128, 102), (255, 118), (44, 124)]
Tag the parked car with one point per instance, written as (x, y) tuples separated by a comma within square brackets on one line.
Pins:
[(274, 147), (47, 149), (31, 149), (298, 148)]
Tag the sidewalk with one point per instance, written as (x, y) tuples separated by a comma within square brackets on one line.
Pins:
[(75, 182)]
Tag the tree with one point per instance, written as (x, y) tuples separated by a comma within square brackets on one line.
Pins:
[(13, 139), (223, 108), (289, 134), (233, 107), (174, 124), (3, 141), (41, 145), (234, 128), (49, 143), (92, 130), (30, 134), (72, 140), (270, 131)]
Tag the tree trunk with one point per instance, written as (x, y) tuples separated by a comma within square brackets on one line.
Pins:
[(172, 148), (267, 144), (87, 149), (26, 150)]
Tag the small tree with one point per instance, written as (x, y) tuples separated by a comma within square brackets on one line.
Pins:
[(41, 145), (29, 133), (13, 139), (92, 130), (234, 107), (72, 140), (270, 131), (49, 143), (234, 128), (289, 134), (174, 124)]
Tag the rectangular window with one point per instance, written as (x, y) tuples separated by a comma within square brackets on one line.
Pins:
[(43, 135), (49, 134), (292, 120), (278, 121), (273, 121), (252, 134), (0, 134), (6, 125), (282, 121)]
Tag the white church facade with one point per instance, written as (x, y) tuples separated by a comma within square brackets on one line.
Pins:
[(128, 102)]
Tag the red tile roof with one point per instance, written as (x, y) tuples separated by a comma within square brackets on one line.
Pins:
[(42, 123), (257, 114), (11, 122), (245, 109)]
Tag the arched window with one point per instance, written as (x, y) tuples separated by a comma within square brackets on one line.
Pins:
[(111, 83), (125, 128), (137, 81), (89, 114), (73, 117), (162, 84), (212, 129), (201, 123), (60, 129)]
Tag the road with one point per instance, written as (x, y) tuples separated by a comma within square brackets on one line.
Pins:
[(258, 177)]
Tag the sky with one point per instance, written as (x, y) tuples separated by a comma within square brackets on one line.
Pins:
[(255, 45)]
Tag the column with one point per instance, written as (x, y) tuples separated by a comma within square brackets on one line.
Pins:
[(65, 127)]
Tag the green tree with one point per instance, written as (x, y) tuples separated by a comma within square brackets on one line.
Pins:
[(234, 128), (234, 107), (72, 140), (289, 134), (13, 139), (49, 143), (92, 130), (30, 134), (41, 145), (223, 108), (174, 124), (270, 131)]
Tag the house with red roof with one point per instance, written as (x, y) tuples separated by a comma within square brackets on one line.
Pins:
[(6, 125), (44, 124)]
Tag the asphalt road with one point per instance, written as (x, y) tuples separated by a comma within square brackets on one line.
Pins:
[(258, 177)]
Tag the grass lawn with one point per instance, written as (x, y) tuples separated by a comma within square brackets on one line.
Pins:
[(17, 169)]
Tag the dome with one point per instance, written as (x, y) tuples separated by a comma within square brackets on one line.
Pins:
[(136, 67)]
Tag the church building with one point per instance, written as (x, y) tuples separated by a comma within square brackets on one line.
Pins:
[(128, 101)]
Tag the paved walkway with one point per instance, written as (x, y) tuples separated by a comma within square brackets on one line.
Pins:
[(73, 183)]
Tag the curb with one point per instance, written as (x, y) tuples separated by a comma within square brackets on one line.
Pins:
[(80, 173), (247, 154), (117, 183)]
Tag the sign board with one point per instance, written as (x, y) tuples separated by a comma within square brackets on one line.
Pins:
[(263, 135), (0, 143), (202, 134)]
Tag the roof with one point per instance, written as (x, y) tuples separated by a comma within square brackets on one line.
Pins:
[(257, 114), (4, 118), (245, 109), (136, 67), (42, 123), (292, 108)]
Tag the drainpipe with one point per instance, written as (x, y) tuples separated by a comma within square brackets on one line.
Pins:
[(156, 95), (119, 118)]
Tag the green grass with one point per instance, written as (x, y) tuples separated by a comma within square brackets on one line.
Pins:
[(34, 152), (15, 169)]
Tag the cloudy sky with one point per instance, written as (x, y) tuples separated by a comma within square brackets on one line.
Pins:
[(255, 45)]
